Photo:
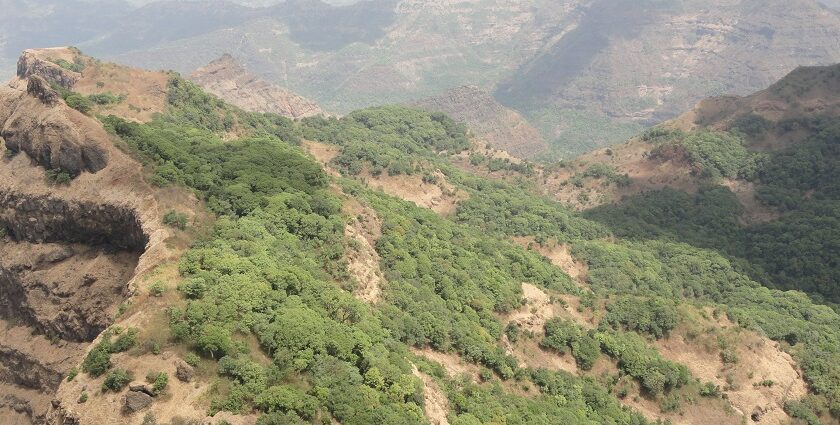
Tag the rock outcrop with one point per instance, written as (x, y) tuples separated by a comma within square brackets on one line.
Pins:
[(48, 219), (32, 64), (32, 120), (227, 79)]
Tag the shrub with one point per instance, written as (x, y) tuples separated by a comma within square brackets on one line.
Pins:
[(97, 361), (671, 403), (83, 397), (72, 374), (512, 332), (149, 419), (126, 340), (107, 98), (116, 380), (193, 288), (58, 176), (159, 381), (192, 359), (729, 356), (79, 102), (157, 289), (709, 389), (175, 219)]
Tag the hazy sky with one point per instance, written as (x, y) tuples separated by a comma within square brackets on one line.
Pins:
[(250, 2)]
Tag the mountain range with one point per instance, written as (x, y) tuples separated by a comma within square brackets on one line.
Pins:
[(584, 73)]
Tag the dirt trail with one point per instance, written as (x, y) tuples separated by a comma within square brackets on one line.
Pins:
[(436, 405), (453, 364), (362, 258)]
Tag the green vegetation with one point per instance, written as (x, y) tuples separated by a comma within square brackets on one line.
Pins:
[(601, 171), (175, 219), (157, 289), (502, 208), (78, 64), (714, 155), (72, 374), (635, 358), (268, 270), (79, 102), (159, 381), (390, 138), (57, 176), (751, 125), (106, 98), (447, 281), (272, 269), (561, 334), (116, 380), (655, 316), (98, 360)]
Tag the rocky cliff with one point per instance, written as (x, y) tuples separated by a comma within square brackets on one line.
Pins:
[(68, 251), (227, 79)]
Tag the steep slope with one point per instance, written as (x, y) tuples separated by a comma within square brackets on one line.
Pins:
[(621, 60), (71, 250), (777, 118), (374, 283), (227, 79), (494, 124)]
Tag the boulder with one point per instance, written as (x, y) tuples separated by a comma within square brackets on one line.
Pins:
[(141, 387), (183, 371), (136, 400)]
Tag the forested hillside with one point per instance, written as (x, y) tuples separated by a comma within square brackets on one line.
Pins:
[(382, 268)]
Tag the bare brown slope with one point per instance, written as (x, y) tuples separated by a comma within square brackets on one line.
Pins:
[(493, 123), (227, 79), (142, 93), (70, 252)]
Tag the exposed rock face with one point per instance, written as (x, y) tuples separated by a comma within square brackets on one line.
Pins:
[(495, 124), (67, 291), (59, 415), (69, 252), (47, 219), (38, 87), (141, 387), (230, 81), (51, 133), (30, 64)]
